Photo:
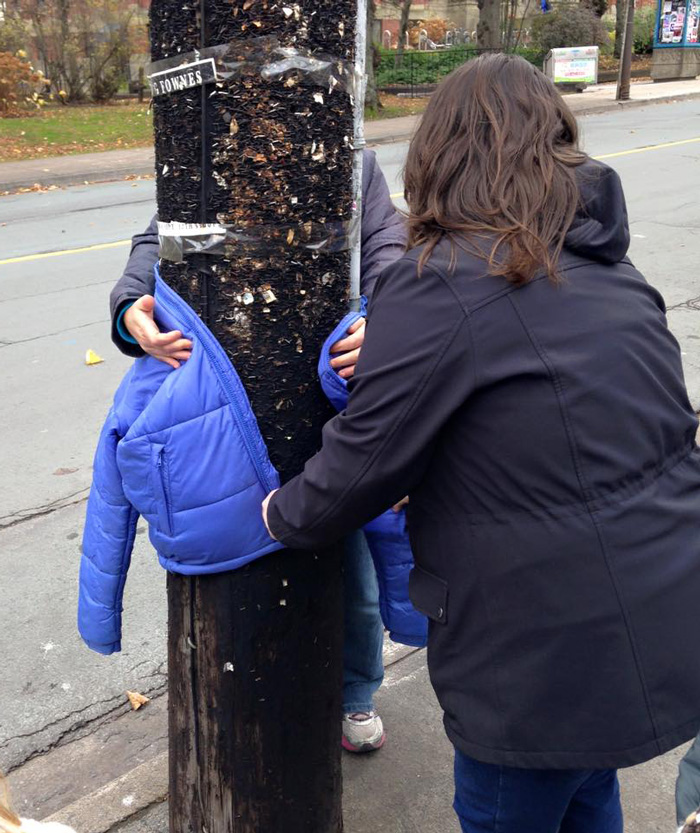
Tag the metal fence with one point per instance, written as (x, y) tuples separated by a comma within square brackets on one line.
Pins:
[(418, 73)]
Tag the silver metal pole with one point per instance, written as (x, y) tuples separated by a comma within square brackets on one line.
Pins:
[(358, 144)]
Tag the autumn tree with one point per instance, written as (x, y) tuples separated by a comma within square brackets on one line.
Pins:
[(84, 45), (436, 28), (19, 84)]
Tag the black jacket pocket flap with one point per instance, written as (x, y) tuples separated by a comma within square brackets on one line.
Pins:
[(428, 594)]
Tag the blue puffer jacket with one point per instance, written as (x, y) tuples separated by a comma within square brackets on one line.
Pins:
[(387, 535), (160, 456)]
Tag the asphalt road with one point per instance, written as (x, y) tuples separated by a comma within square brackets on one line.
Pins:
[(54, 307)]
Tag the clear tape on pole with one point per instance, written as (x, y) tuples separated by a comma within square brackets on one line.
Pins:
[(178, 240), (259, 56)]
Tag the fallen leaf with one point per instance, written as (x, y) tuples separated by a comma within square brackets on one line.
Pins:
[(62, 471), (91, 358), (137, 700)]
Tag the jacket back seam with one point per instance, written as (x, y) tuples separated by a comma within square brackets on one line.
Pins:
[(503, 291), (573, 450)]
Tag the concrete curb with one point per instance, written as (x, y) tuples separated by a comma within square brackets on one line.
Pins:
[(633, 104), (585, 110), (119, 800), (109, 174)]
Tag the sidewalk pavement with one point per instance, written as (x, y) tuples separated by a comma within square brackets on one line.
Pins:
[(115, 779), (118, 164)]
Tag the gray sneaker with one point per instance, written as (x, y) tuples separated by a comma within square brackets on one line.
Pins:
[(363, 732)]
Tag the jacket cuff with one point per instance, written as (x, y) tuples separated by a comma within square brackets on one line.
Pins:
[(121, 327), (104, 649), (128, 346)]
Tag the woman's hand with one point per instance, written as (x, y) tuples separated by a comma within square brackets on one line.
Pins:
[(265, 505), (170, 348), (400, 505), (348, 350)]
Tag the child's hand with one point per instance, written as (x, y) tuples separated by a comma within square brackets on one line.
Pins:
[(348, 350), (170, 348)]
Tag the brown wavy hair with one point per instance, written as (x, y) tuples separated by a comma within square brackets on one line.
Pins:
[(9, 822), (493, 165)]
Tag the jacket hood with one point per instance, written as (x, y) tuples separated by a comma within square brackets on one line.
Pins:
[(600, 230)]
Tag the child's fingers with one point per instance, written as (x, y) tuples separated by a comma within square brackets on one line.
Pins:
[(345, 360), (353, 341)]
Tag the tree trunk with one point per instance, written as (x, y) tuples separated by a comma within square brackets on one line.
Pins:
[(488, 29), (403, 30), (372, 99), (620, 18), (255, 655)]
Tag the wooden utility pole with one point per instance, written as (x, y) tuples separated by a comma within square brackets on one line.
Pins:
[(624, 76), (266, 149)]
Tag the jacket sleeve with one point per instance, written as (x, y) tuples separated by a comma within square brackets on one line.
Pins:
[(415, 370), (383, 228), (138, 279), (108, 539)]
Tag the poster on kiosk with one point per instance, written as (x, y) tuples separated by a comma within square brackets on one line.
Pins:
[(678, 23)]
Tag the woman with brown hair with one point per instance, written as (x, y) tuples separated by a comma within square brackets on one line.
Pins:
[(519, 381)]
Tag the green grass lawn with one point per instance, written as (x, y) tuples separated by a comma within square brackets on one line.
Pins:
[(395, 106), (58, 130)]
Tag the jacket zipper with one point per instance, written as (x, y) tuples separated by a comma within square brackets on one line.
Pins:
[(163, 474), (234, 397)]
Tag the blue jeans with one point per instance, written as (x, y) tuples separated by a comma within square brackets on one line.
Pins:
[(688, 783), (363, 668), (501, 799)]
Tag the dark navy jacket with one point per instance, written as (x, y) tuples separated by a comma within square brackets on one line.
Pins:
[(546, 440)]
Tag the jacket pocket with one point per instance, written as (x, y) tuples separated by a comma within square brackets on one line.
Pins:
[(428, 593), (161, 488)]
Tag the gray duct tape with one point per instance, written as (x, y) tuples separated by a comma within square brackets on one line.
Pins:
[(178, 240), (262, 56)]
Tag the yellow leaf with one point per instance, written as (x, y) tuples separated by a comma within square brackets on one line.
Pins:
[(137, 700), (91, 357)]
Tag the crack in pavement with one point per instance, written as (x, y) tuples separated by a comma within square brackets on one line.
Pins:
[(24, 515), (692, 303), (57, 333), (117, 709), (61, 719)]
